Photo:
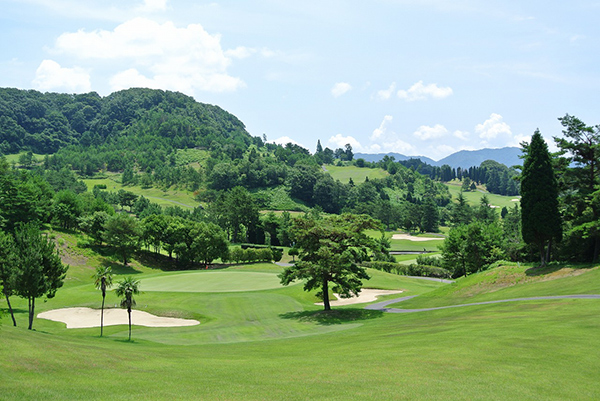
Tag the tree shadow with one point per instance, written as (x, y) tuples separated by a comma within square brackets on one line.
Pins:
[(118, 268), (554, 267), (334, 316)]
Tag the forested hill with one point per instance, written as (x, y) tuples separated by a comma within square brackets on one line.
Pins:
[(47, 122)]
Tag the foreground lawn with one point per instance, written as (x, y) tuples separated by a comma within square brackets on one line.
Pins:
[(274, 343)]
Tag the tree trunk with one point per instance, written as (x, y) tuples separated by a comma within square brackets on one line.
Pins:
[(326, 304), (548, 250), (129, 313), (102, 316), (11, 311), (596, 249), (542, 250), (31, 311)]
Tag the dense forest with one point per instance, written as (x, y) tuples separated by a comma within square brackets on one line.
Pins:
[(159, 139)]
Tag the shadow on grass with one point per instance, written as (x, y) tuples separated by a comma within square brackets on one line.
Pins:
[(334, 316), (554, 267), (118, 268)]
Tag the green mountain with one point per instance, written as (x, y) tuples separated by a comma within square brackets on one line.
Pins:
[(47, 122)]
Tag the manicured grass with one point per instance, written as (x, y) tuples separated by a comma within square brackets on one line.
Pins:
[(358, 175), (170, 197), (474, 197), (276, 344), (512, 281), (212, 281)]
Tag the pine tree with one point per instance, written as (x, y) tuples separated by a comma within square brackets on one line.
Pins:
[(540, 218)]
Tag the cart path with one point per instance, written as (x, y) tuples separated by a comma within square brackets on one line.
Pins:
[(382, 305)]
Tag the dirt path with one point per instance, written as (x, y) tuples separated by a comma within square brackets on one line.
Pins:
[(382, 305)]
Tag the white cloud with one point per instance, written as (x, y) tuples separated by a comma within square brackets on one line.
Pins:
[(340, 88), (386, 94), (426, 132), (284, 140), (398, 146), (464, 135), (161, 55), (51, 76), (421, 92), (379, 132), (339, 141), (240, 52), (492, 128)]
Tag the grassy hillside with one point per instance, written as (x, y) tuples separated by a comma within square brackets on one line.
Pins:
[(512, 281), (473, 197), (164, 197), (274, 343), (358, 175)]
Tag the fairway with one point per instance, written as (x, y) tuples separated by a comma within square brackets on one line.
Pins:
[(211, 281)]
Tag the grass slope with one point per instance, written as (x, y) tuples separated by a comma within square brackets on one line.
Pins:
[(275, 344), (474, 197), (358, 174)]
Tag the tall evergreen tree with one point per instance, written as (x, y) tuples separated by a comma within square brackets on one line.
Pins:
[(540, 218)]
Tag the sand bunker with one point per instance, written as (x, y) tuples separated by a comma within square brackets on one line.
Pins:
[(77, 318), (366, 295), (411, 238)]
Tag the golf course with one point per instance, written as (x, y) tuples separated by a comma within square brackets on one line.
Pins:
[(259, 340)]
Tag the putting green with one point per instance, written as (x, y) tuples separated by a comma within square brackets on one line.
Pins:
[(225, 281)]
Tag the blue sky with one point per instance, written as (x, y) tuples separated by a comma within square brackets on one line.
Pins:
[(425, 77)]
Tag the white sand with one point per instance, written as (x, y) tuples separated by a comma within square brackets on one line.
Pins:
[(366, 295), (417, 239), (76, 318)]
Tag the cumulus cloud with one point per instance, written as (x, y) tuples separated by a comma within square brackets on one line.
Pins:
[(51, 76), (426, 132), (464, 135), (161, 55), (284, 140), (422, 92), (381, 130), (386, 94), (339, 141), (397, 145), (340, 88), (240, 52), (492, 128)]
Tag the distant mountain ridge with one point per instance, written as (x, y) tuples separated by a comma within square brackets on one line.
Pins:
[(508, 156)]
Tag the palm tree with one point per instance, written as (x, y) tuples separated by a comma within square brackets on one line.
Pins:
[(127, 289), (103, 277)]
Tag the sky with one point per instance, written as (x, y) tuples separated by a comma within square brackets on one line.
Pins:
[(421, 78)]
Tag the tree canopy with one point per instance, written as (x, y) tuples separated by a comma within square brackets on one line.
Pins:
[(330, 250)]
